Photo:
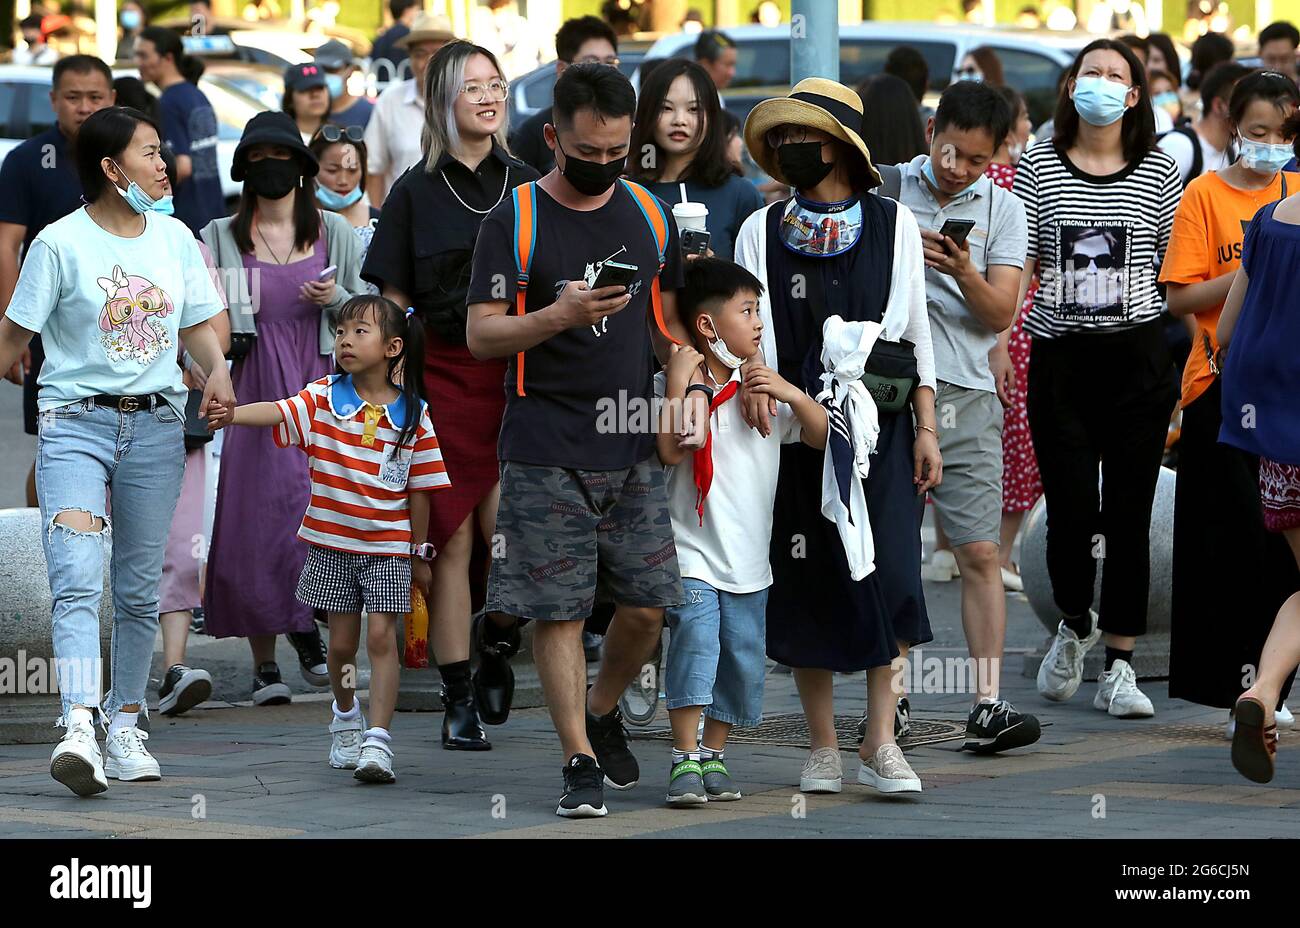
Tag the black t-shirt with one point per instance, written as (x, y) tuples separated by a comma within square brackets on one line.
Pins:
[(40, 184), (588, 389), (529, 142), (424, 241)]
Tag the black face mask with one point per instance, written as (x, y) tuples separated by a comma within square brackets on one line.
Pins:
[(273, 178), (802, 165), (590, 178)]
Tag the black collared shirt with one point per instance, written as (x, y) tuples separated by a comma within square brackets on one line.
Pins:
[(424, 241)]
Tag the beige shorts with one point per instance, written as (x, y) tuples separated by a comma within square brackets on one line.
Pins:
[(969, 500)]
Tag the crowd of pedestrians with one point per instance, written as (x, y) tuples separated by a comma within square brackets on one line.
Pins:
[(588, 376)]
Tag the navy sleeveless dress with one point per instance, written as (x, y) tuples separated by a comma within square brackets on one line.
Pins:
[(817, 615)]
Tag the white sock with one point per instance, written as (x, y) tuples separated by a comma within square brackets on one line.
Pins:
[(710, 753), (379, 736), (122, 720), (679, 756), (351, 713)]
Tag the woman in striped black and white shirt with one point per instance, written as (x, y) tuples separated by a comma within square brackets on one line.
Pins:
[(1100, 200)]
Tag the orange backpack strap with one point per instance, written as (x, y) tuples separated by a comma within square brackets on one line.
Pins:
[(654, 215), (525, 197)]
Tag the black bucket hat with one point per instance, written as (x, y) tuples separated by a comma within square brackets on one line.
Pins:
[(272, 128)]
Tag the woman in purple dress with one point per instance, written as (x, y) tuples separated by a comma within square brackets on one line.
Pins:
[(286, 268)]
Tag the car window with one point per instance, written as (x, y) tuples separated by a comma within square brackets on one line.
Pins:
[(40, 111), (761, 62), (233, 107), (8, 94), (1035, 76), (538, 93)]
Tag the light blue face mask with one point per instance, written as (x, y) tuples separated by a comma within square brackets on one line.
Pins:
[(1168, 100), (928, 171), (1265, 158), (130, 19), (334, 84), (1099, 102), (140, 201), (337, 201)]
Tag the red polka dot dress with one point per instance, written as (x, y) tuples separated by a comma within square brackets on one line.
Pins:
[(1021, 485)]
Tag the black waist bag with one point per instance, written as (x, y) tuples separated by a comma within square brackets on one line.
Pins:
[(890, 374)]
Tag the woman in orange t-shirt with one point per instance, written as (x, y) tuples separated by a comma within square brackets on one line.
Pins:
[(1218, 627)]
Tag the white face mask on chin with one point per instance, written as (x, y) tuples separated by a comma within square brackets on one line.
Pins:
[(721, 351)]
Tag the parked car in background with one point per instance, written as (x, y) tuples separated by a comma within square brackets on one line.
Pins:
[(25, 111), (1032, 60), (532, 91)]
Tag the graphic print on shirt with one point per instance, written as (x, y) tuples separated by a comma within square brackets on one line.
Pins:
[(1092, 282), (131, 318), (589, 276)]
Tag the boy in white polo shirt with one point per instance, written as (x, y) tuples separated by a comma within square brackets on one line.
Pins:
[(720, 501)]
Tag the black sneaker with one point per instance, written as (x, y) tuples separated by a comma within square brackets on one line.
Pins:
[(584, 789), (311, 656), (591, 643), (997, 726), (608, 739), (198, 623), (902, 721), (182, 689), (268, 688)]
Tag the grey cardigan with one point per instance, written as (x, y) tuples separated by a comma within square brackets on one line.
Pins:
[(343, 249)]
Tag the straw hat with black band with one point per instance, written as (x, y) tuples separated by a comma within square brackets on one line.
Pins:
[(428, 27), (815, 103)]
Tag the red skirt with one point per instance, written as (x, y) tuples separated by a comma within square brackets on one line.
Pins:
[(466, 403)]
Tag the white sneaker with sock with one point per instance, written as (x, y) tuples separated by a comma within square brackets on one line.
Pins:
[(1118, 694), (76, 761), (345, 735), (1061, 671), (127, 757), (375, 761)]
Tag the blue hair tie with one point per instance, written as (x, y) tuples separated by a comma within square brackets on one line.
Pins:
[(410, 311)]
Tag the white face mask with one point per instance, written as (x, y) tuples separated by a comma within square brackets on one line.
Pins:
[(721, 351)]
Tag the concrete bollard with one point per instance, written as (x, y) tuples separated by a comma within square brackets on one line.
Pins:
[(26, 645), (1151, 658)]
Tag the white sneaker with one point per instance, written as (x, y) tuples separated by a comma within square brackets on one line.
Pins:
[(1061, 671), (942, 566), (375, 763), (1283, 718), (127, 757), (1011, 581), (1118, 694), (76, 761), (822, 772), (889, 772), (345, 748)]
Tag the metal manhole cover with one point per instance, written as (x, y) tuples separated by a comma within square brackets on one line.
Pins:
[(790, 730)]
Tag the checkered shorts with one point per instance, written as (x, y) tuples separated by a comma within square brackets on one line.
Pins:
[(343, 581)]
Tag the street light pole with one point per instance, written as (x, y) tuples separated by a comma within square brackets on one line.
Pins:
[(814, 40)]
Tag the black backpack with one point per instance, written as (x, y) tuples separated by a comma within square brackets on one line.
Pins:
[(1198, 156)]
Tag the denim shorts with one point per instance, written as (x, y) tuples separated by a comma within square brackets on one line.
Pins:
[(717, 653)]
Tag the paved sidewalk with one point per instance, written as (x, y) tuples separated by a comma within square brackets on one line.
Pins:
[(242, 772)]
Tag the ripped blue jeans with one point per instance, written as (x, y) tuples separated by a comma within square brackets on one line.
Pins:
[(83, 454)]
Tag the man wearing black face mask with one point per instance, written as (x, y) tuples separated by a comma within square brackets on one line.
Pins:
[(583, 496)]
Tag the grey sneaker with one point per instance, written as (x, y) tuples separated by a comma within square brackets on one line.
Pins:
[(822, 772), (686, 784), (1061, 671), (717, 781), (889, 772)]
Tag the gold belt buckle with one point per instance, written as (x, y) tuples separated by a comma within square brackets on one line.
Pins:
[(128, 404)]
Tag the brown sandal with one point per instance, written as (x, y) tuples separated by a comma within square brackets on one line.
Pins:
[(1253, 745)]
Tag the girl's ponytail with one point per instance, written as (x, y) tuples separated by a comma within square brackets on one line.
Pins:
[(411, 361)]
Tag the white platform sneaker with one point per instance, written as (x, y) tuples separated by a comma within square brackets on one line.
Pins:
[(1118, 694), (76, 761)]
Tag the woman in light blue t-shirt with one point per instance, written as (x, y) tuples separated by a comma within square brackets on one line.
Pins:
[(112, 288)]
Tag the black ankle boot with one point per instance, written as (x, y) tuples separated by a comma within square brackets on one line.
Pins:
[(494, 680), (461, 729)]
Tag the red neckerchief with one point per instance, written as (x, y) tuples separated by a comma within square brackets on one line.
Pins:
[(704, 457)]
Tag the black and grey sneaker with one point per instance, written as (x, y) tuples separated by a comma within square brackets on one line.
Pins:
[(997, 726), (717, 780), (198, 623), (311, 656), (584, 789), (591, 643), (608, 739), (268, 688), (182, 689), (902, 721), (686, 784)]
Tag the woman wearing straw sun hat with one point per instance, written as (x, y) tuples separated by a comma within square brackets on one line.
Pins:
[(834, 250)]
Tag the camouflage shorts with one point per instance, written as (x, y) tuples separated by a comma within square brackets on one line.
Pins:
[(567, 538)]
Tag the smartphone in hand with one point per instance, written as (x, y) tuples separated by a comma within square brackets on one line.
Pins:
[(328, 273), (957, 230)]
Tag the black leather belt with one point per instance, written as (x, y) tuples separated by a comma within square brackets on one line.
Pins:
[(149, 401)]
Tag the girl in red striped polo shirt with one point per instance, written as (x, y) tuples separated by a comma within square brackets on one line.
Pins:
[(372, 454)]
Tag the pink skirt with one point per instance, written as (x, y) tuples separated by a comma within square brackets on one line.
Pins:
[(1279, 491), (186, 546)]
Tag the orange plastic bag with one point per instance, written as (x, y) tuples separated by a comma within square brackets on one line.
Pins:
[(416, 653)]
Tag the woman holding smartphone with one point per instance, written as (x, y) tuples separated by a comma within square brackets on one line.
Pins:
[(680, 140), (286, 268)]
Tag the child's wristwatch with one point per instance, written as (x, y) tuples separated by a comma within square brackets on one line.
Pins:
[(424, 552)]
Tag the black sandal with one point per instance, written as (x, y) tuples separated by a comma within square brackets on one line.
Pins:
[(1253, 745)]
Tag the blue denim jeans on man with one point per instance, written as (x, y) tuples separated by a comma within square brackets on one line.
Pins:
[(717, 653), (84, 453)]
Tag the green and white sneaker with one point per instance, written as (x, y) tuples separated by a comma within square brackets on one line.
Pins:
[(717, 781), (686, 784)]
